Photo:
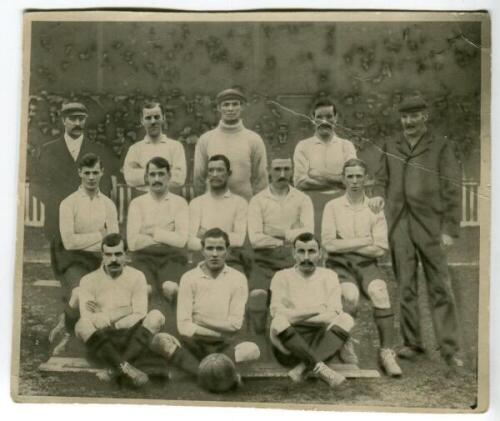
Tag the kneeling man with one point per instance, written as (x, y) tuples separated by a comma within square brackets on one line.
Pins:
[(354, 238), (211, 303), (308, 324), (115, 324)]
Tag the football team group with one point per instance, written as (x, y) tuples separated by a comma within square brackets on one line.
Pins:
[(280, 249)]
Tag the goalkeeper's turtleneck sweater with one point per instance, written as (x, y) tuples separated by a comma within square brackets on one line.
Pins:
[(246, 152)]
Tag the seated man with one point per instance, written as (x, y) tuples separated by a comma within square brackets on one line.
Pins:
[(115, 324), (85, 218), (157, 231), (354, 238), (211, 304), (276, 216), (219, 208), (308, 324)]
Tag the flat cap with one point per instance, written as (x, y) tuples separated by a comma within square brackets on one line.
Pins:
[(414, 103), (74, 108), (230, 94)]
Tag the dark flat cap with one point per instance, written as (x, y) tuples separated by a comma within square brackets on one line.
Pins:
[(230, 94), (414, 103), (74, 108)]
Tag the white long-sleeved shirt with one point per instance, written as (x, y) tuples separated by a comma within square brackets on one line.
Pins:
[(227, 212), (112, 294), (202, 297), (341, 219), (81, 218), (141, 152), (246, 152), (321, 288), (168, 217), (314, 154), (294, 214)]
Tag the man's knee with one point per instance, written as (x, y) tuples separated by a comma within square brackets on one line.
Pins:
[(74, 301), (378, 293), (170, 290), (279, 324), (257, 300), (84, 329), (344, 321), (350, 297), (154, 321), (164, 344), (246, 351)]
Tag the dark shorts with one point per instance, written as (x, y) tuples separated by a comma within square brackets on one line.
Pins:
[(160, 263), (266, 262), (203, 346), (355, 269)]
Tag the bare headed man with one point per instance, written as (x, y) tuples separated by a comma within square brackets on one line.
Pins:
[(308, 324), (211, 304), (275, 217), (155, 143), (355, 238), (157, 231)]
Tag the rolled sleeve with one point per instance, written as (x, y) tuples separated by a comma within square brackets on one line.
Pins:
[(301, 167), (278, 289), (178, 166), (185, 299), (238, 303), (379, 231), (134, 176), (328, 225)]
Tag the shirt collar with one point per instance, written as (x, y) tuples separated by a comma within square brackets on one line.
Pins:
[(166, 197), (334, 139), (291, 192), (162, 139), (83, 193), (224, 271), (346, 203), (227, 194), (71, 141)]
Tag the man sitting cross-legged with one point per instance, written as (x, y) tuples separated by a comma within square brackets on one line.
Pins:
[(354, 238), (211, 304), (115, 324), (308, 324), (157, 231)]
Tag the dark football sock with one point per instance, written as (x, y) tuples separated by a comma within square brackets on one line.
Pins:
[(384, 320), (100, 346), (292, 341), (185, 360), (71, 317), (139, 342)]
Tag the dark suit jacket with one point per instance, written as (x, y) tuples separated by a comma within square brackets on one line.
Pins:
[(57, 177), (426, 181)]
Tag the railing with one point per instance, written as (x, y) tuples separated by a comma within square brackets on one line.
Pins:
[(34, 212)]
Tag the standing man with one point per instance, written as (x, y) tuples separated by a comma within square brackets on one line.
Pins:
[(420, 179), (155, 143), (276, 216), (157, 231), (318, 160), (115, 324), (211, 304), (220, 208), (308, 324), (244, 148), (58, 174), (355, 238), (85, 218)]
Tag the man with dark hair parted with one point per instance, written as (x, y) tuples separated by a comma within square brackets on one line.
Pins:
[(276, 216), (115, 324), (157, 231), (85, 217), (211, 303), (355, 238), (220, 208), (154, 144), (244, 148), (308, 325)]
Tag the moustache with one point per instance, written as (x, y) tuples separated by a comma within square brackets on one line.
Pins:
[(282, 179), (307, 263), (325, 124), (114, 265), (157, 183)]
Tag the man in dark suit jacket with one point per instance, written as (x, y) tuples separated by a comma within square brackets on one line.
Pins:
[(420, 179), (57, 175)]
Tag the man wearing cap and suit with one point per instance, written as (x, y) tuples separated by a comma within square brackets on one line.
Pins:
[(420, 179), (58, 174), (244, 148)]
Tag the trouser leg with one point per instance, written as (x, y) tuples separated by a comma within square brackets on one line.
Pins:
[(404, 260)]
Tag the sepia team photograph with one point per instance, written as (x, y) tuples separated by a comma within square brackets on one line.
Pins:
[(265, 209)]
